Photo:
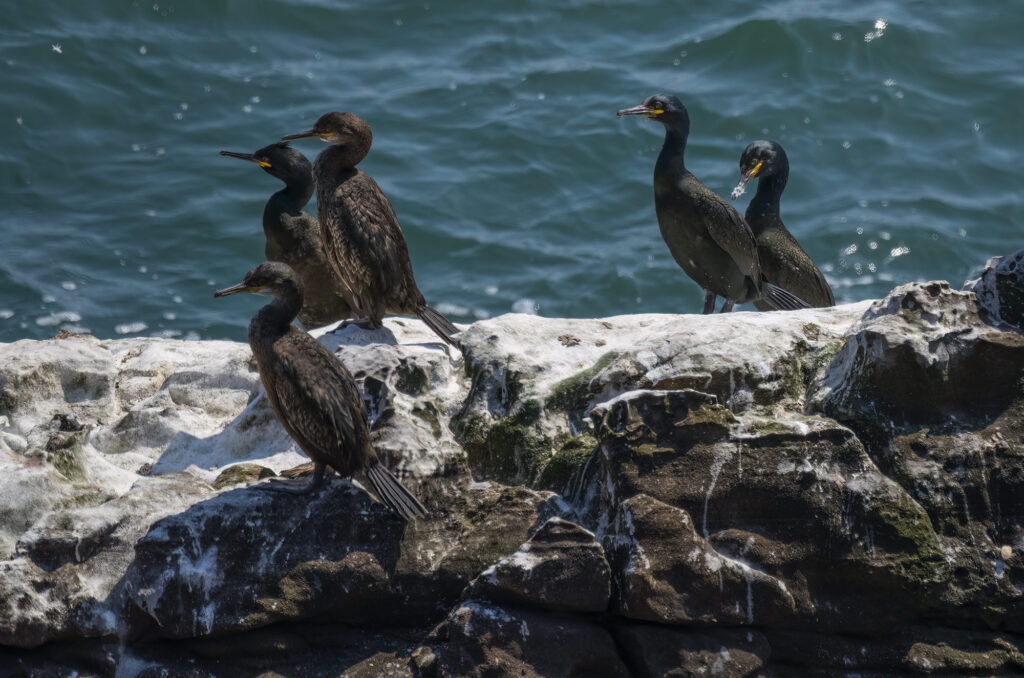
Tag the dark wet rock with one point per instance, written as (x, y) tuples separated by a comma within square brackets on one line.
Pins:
[(560, 568), (923, 357), (712, 519), (483, 639), (666, 573), (915, 650), (1000, 291), (653, 651), (933, 389), (249, 558)]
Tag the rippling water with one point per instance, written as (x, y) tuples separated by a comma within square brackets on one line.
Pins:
[(496, 138)]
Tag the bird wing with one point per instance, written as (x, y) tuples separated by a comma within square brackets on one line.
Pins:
[(785, 263), (728, 229), (320, 401), (379, 242)]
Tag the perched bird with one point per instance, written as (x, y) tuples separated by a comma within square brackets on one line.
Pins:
[(312, 393), (293, 236), (783, 261), (705, 234), (361, 235)]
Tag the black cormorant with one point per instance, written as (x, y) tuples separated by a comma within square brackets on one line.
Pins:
[(361, 234), (783, 261), (312, 393), (293, 236), (705, 234)]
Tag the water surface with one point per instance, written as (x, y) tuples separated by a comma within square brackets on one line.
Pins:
[(496, 139)]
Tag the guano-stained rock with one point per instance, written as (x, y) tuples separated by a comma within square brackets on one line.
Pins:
[(807, 493)]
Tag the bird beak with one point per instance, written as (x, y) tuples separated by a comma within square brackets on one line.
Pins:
[(645, 111), (301, 135), (245, 156), (742, 186), (236, 289)]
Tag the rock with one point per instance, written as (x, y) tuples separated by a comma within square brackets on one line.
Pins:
[(480, 639), (247, 558), (1000, 291), (666, 573), (922, 357), (708, 518), (64, 580), (239, 474), (913, 650), (531, 392), (666, 652), (560, 568), (933, 391), (411, 391), (806, 493), (39, 379)]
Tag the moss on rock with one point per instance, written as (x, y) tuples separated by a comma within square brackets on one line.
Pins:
[(573, 393), (570, 458), (907, 534), (511, 450), (241, 473)]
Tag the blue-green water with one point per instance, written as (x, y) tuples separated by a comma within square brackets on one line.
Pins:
[(496, 139)]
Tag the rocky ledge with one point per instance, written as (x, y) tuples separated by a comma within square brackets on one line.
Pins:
[(831, 492)]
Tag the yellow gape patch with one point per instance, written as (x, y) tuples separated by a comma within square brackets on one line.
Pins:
[(263, 163)]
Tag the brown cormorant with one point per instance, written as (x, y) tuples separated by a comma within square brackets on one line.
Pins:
[(312, 393), (705, 234), (361, 234), (783, 261), (293, 236)]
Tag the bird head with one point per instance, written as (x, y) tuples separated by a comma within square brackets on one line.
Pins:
[(760, 159), (271, 278), (336, 128), (279, 160), (661, 107)]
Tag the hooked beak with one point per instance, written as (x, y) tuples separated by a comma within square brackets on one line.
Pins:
[(645, 111), (742, 186), (236, 289), (301, 135), (245, 156)]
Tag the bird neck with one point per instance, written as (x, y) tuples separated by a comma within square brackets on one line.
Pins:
[(275, 317), (338, 157), (674, 148), (765, 203), (297, 192), (289, 200)]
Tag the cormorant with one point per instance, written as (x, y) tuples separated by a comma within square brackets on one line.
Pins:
[(312, 393), (705, 234), (293, 236), (783, 261), (362, 238)]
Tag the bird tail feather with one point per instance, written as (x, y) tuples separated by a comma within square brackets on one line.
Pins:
[(393, 494), (780, 299), (441, 325)]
